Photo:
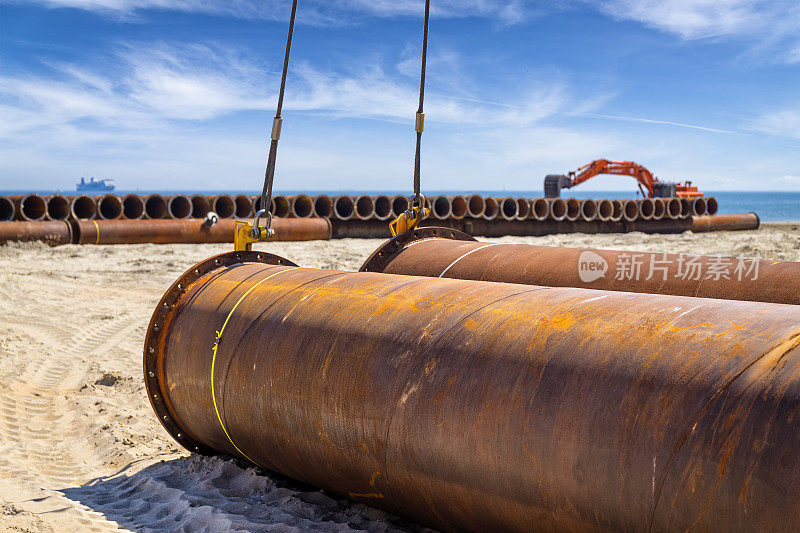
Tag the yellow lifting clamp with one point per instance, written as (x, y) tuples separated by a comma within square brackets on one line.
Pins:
[(245, 233), (409, 220)]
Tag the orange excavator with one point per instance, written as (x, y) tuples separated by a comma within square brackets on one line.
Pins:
[(649, 185)]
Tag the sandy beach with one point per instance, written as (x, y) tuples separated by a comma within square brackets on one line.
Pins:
[(80, 448)]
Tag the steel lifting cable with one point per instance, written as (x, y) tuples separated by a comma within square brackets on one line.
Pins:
[(277, 122)]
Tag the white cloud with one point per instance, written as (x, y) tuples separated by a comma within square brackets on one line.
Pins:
[(788, 179), (782, 123)]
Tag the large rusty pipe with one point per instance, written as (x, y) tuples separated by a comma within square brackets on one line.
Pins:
[(383, 207), (281, 206), (133, 207), (617, 210), (200, 206), (458, 206), (687, 207), (699, 206), (53, 232), (344, 208), (323, 206), (301, 206), (508, 208), (631, 211), (444, 252), (224, 206), (6, 209), (674, 208), (399, 205), (558, 209), (364, 207), (109, 207), (243, 206), (605, 210), (476, 406), (476, 206), (490, 208), (733, 222), (155, 207), (441, 209), (588, 210), (57, 207), (83, 207), (539, 209), (573, 209), (647, 208), (659, 208), (30, 207), (523, 208), (179, 206), (712, 206), (190, 231)]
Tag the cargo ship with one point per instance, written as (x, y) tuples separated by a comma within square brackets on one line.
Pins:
[(94, 185)]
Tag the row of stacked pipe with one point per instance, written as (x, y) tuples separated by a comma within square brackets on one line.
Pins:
[(33, 207), (132, 219)]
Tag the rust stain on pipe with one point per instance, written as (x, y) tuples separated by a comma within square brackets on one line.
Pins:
[(190, 231), (444, 252), (476, 406), (50, 232)]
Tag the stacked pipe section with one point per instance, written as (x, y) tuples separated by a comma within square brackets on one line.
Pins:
[(479, 406)]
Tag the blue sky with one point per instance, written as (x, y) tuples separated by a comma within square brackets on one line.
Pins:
[(179, 94)]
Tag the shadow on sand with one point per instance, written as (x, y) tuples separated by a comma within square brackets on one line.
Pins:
[(199, 493)]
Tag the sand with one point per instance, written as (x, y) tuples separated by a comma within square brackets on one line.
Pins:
[(80, 448)]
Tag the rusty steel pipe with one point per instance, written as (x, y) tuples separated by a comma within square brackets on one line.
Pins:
[(281, 206), (383, 207), (734, 222), (441, 209), (190, 231), (699, 206), (476, 206), (155, 207), (83, 207), (508, 208), (458, 206), (588, 210), (364, 207), (523, 209), (179, 206), (491, 208), (605, 210), (200, 205), (51, 232), (242, 206), (344, 208), (109, 207), (686, 207), (712, 206), (539, 209), (132, 207), (647, 208), (399, 205), (323, 206), (631, 211), (617, 210), (57, 207), (674, 208), (29, 207), (6, 209), (223, 205), (659, 209), (301, 206), (558, 209), (573, 209), (475, 406), (444, 252)]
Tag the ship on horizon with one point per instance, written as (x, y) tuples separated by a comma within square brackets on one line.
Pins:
[(95, 185)]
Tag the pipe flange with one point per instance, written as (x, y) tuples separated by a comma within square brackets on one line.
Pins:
[(154, 343), (380, 258)]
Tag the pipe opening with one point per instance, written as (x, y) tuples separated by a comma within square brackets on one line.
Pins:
[(573, 209), (57, 208), (365, 209), (109, 207), (302, 207), (280, 206), (200, 206), (540, 209), (344, 208), (476, 205), (33, 207), (523, 208), (711, 206), (155, 207), (588, 210), (508, 208), (618, 209), (687, 207), (242, 206), (458, 207), (660, 208), (179, 206), (383, 207), (132, 207), (491, 208), (83, 207), (631, 210), (441, 208), (699, 206), (223, 206), (6, 209), (399, 205), (558, 208), (674, 208), (647, 208), (605, 210), (323, 206)]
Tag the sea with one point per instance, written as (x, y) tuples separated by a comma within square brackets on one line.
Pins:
[(772, 206)]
